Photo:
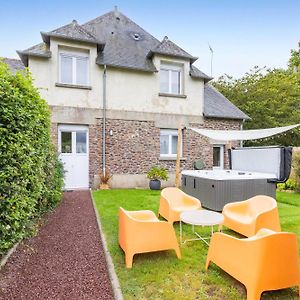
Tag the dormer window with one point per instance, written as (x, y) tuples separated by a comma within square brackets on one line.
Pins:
[(73, 68), (171, 79)]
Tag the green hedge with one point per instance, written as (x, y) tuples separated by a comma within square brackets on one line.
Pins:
[(31, 176)]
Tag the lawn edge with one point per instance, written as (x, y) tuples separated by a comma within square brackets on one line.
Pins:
[(8, 254), (110, 266)]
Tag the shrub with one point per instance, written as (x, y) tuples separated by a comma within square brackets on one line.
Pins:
[(30, 173), (158, 173), (296, 167), (104, 180), (289, 185), (105, 177)]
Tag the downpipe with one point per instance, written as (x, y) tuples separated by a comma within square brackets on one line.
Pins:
[(104, 122)]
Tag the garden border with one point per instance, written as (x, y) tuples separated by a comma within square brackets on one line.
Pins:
[(110, 266), (8, 254)]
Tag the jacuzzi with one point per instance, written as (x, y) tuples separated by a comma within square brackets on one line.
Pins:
[(215, 188)]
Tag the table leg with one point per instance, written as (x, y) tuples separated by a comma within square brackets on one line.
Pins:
[(202, 238)]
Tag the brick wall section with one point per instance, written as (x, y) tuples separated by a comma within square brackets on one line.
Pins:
[(223, 124), (54, 132), (95, 150), (134, 146)]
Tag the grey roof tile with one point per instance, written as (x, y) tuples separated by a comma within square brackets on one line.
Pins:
[(218, 106), (122, 42), (72, 31), (14, 64), (40, 50), (126, 43), (167, 47), (196, 73)]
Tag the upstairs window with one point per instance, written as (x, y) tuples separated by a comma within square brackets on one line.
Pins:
[(73, 68), (168, 143), (171, 79)]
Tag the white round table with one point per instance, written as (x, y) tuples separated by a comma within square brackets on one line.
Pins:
[(200, 218)]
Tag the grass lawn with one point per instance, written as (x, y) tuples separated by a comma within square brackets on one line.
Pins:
[(160, 275)]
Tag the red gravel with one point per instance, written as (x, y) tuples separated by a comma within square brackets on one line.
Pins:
[(64, 261)]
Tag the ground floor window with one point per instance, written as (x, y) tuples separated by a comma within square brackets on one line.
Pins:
[(168, 143), (218, 156)]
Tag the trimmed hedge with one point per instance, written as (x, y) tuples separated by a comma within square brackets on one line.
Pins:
[(31, 176)]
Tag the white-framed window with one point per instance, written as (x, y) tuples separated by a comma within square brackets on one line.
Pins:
[(171, 79), (168, 143), (73, 68), (218, 156)]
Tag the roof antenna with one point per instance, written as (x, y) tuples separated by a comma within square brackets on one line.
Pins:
[(116, 12), (211, 59)]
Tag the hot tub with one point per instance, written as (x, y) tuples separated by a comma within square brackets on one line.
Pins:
[(254, 171), (215, 188)]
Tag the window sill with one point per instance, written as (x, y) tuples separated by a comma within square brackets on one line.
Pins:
[(74, 86), (171, 95), (171, 158)]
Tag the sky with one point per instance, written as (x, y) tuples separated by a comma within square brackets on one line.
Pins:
[(241, 33)]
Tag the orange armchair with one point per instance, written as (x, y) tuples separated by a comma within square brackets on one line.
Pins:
[(141, 231), (173, 201), (247, 217), (266, 261)]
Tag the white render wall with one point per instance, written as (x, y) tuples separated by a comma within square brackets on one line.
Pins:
[(127, 90), (132, 90), (45, 74)]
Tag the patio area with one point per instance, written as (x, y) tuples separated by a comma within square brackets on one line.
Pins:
[(160, 275)]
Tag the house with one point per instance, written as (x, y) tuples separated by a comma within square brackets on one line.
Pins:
[(117, 96), (14, 64)]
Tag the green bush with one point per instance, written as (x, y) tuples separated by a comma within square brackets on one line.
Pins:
[(31, 176), (289, 185), (158, 173), (296, 167)]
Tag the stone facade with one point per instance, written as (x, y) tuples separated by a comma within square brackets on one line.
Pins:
[(134, 147), (54, 133)]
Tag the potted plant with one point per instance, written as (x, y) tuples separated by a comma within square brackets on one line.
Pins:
[(156, 174), (104, 180)]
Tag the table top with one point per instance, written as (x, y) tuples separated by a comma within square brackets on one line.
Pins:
[(202, 217)]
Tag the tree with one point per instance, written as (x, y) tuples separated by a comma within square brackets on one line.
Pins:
[(294, 61), (271, 97)]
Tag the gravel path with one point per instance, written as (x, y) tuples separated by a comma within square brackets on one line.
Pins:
[(64, 261)]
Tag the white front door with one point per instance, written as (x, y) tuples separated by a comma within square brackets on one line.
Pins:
[(73, 147)]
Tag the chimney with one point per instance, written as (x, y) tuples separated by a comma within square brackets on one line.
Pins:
[(116, 12)]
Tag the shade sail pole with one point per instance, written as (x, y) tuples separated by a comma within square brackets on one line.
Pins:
[(177, 170)]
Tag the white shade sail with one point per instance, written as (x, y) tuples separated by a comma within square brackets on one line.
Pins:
[(242, 135)]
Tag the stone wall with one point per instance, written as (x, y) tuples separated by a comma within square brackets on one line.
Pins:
[(134, 147), (54, 133), (95, 152)]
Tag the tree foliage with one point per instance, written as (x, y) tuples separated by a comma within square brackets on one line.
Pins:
[(271, 97), (31, 176), (294, 61)]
